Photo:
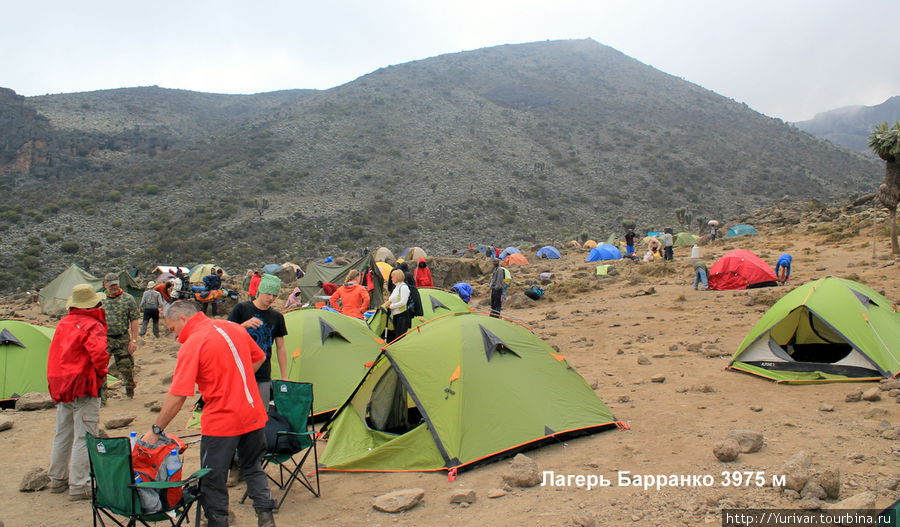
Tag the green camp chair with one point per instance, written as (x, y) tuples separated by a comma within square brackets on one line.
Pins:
[(294, 401), (114, 491)]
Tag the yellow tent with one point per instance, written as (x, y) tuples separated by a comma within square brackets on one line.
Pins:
[(385, 269), (590, 244), (574, 244), (201, 270)]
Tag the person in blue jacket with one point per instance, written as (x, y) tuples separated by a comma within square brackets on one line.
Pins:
[(783, 268), (464, 291)]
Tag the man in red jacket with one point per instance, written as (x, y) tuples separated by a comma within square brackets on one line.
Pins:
[(76, 369)]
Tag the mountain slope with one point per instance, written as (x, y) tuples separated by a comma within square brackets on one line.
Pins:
[(538, 141), (850, 126)]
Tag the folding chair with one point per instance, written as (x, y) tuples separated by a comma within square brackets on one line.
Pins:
[(114, 492), (294, 401)]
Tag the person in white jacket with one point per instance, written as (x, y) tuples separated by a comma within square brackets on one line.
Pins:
[(396, 303)]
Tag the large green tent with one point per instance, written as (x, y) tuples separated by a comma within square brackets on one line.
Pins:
[(829, 329), (322, 272), (54, 295), (684, 239), (330, 350), (435, 303), (23, 357), (131, 286), (459, 390)]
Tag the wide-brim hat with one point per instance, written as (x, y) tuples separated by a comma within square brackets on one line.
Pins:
[(84, 297)]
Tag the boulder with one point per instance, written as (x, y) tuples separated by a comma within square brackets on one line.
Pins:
[(727, 450), (120, 421), (34, 401), (34, 479), (863, 500), (830, 480), (749, 440), (399, 500), (872, 394), (463, 496), (522, 472), (812, 489)]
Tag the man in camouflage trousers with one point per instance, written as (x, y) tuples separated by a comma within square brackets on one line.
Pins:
[(121, 337)]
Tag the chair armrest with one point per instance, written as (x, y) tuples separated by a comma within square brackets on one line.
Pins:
[(287, 433), (172, 484)]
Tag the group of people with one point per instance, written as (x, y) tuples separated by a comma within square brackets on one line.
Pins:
[(217, 356)]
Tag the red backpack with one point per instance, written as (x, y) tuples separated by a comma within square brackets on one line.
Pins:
[(149, 463)]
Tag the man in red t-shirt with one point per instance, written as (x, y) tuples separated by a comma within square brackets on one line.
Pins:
[(220, 358)]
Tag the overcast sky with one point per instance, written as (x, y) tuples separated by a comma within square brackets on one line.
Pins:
[(785, 58)]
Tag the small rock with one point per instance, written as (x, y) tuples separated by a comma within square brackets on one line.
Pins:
[(34, 479), (853, 397), (119, 422), (156, 406), (583, 520), (810, 504), (755, 408), (696, 346), (620, 352), (624, 399), (522, 472), (673, 347), (496, 493), (894, 393), (463, 496), (831, 482), (399, 500), (874, 413), (826, 407), (643, 360), (791, 494), (702, 388), (727, 450), (34, 401), (872, 394), (863, 500), (812, 489), (681, 389), (749, 440), (892, 434), (5, 423), (890, 483), (888, 385), (658, 378), (882, 426)]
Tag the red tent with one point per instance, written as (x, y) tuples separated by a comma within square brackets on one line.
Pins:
[(740, 269)]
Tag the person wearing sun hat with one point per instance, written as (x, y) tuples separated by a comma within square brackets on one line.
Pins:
[(76, 369), (266, 326)]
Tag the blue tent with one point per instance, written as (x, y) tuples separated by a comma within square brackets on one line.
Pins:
[(509, 250), (604, 251), (655, 233), (271, 268), (548, 251), (741, 230)]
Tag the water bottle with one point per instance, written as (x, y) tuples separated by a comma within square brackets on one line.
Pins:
[(133, 438), (173, 464)]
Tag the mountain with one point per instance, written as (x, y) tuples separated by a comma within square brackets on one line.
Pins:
[(850, 126), (528, 142)]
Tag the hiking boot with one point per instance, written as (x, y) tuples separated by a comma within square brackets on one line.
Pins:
[(80, 496), (264, 518), (58, 486), (235, 477)]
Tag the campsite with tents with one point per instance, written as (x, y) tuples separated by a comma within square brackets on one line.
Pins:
[(630, 371)]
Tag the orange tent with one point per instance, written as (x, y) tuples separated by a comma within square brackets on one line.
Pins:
[(516, 259), (590, 244)]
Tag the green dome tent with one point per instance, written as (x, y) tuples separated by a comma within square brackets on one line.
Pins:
[(683, 239), (458, 390), (826, 330), (23, 357), (54, 295), (330, 350)]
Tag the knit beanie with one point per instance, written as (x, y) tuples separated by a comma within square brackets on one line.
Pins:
[(269, 283)]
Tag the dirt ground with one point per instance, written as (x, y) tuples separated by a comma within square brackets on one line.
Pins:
[(602, 325)]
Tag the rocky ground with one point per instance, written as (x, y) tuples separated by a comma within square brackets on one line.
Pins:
[(655, 351)]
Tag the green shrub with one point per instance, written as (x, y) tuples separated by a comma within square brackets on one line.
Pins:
[(69, 247)]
